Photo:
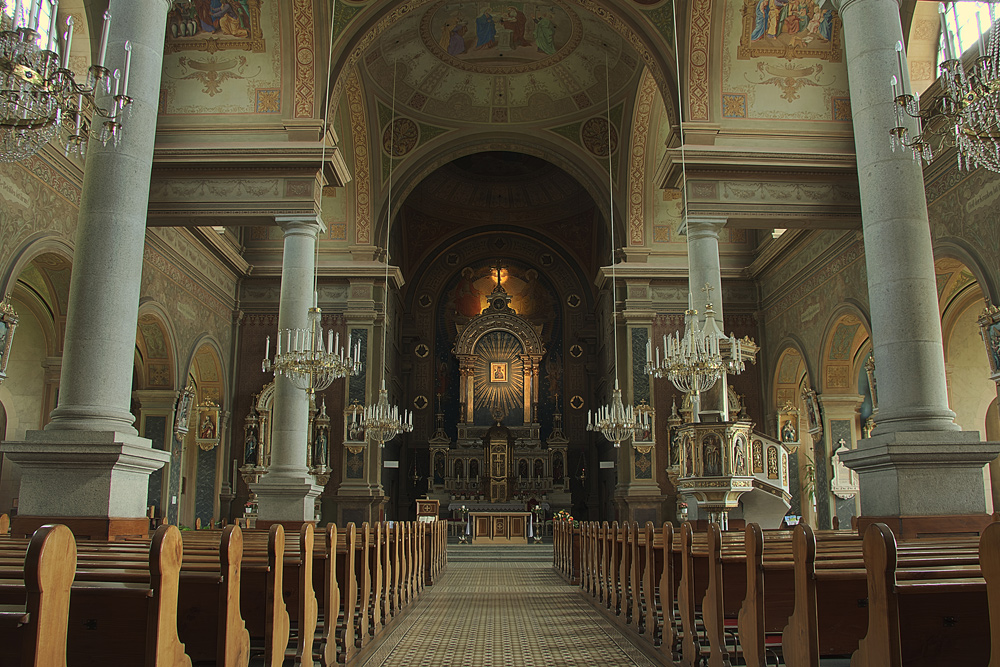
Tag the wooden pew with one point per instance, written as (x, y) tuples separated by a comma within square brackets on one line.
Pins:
[(307, 605), (214, 601), (35, 634), (989, 563), (348, 584), (126, 615), (922, 616)]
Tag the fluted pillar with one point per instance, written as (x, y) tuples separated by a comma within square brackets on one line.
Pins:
[(917, 462), (288, 492), (89, 461)]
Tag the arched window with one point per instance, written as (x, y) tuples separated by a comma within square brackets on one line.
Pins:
[(48, 33), (966, 23)]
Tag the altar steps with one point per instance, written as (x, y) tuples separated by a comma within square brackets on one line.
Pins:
[(489, 553)]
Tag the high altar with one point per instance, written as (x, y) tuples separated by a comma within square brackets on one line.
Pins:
[(498, 463)]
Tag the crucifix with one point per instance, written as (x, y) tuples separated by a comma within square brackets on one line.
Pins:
[(498, 268)]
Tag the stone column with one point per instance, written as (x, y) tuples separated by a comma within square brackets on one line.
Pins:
[(288, 492), (704, 268), (917, 463), (89, 461)]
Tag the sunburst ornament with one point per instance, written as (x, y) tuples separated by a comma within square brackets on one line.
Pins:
[(499, 372)]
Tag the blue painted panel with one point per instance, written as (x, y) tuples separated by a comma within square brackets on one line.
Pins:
[(204, 498)]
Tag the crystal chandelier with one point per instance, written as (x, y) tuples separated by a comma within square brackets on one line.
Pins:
[(39, 95), (304, 358), (966, 115), (695, 361), (381, 421), (614, 421)]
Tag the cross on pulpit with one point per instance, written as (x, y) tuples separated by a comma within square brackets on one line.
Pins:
[(842, 442), (708, 289), (499, 267)]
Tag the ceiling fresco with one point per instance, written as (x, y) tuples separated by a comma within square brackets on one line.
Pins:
[(501, 63)]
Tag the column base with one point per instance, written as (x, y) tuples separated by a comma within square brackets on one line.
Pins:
[(922, 473), (96, 476), (286, 500), (640, 508), (361, 508)]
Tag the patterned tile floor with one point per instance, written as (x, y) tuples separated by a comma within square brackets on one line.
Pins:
[(494, 613)]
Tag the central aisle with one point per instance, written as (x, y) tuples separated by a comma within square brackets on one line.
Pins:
[(490, 610)]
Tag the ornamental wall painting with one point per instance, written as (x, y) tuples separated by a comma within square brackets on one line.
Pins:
[(214, 25), (790, 29)]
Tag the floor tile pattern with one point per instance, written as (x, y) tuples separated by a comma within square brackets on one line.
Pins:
[(494, 613)]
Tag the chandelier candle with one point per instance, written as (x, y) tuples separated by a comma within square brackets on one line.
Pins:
[(67, 42), (104, 39)]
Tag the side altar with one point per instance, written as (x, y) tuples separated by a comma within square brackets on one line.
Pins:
[(498, 462)]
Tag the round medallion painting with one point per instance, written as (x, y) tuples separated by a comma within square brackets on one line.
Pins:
[(500, 37)]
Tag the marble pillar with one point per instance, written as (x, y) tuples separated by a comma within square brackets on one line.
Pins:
[(917, 462), (705, 269), (288, 492), (89, 460)]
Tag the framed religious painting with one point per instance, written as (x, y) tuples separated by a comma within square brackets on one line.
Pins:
[(789, 426), (207, 436), (989, 329), (498, 371)]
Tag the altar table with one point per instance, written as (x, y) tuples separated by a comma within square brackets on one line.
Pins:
[(499, 527)]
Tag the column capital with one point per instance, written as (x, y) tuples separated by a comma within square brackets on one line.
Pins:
[(704, 226), (300, 224)]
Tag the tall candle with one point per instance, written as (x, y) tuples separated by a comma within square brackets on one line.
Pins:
[(32, 13), (17, 15), (267, 348), (128, 66), (104, 39), (53, 26)]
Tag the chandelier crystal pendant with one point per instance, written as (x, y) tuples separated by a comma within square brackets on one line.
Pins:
[(308, 362), (39, 95), (966, 115)]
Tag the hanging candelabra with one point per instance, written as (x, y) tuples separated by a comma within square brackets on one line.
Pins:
[(614, 421), (383, 422), (966, 115), (311, 363), (39, 94), (694, 361)]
